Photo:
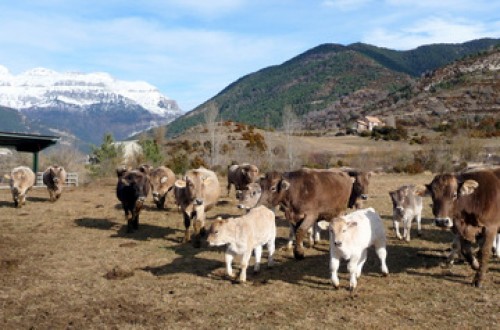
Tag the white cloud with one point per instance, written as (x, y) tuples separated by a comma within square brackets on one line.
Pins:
[(345, 5), (429, 31)]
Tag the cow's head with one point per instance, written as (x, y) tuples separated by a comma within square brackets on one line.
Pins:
[(196, 183), (56, 173), (445, 190), (339, 229), (400, 201), (216, 233), (361, 183), (251, 172), (273, 189), (159, 186), (248, 198)]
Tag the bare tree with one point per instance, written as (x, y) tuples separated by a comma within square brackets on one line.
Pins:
[(210, 116), (290, 126)]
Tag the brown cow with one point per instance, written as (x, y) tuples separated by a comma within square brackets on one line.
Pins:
[(54, 178), (241, 175), (197, 193), (162, 180), (22, 179), (307, 196), (132, 189), (359, 191), (469, 201)]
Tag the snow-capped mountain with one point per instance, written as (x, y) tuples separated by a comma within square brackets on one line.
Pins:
[(87, 105), (41, 87)]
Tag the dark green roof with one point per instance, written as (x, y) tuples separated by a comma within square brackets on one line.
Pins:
[(27, 142)]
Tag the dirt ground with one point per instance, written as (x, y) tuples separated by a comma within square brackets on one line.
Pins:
[(71, 265)]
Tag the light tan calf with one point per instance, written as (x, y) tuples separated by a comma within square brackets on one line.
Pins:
[(243, 235)]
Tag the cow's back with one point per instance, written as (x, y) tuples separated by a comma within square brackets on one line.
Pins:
[(326, 192)]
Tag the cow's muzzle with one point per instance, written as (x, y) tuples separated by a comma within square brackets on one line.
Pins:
[(337, 243), (156, 196), (241, 206), (364, 197), (198, 201), (443, 222)]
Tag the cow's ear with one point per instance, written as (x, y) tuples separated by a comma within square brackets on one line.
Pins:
[(392, 194), (180, 183), (468, 187), (422, 190), (324, 225), (284, 185), (163, 179)]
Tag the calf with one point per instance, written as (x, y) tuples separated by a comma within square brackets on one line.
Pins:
[(197, 193), (54, 178), (350, 237), (132, 189), (162, 180), (21, 180), (406, 206), (243, 235), (241, 175)]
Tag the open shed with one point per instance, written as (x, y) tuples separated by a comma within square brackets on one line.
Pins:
[(23, 142)]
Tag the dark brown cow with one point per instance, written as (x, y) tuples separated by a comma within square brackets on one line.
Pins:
[(469, 201), (132, 189), (307, 196), (241, 175), (54, 178)]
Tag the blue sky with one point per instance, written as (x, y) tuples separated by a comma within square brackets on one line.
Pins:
[(192, 49)]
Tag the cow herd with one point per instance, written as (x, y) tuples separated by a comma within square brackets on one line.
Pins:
[(468, 202), (22, 179)]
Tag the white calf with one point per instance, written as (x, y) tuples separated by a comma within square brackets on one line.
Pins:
[(242, 235), (406, 206), (350, 237)]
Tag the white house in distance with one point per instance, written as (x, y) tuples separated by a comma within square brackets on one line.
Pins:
[(368, 123)]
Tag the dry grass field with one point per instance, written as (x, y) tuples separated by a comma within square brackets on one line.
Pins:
[(71, 265)]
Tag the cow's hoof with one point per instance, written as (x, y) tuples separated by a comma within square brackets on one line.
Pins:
[(299, 255), (196, 243), (475, 264)]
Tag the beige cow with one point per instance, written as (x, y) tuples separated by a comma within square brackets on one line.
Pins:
[(196, 193), (22, 179)]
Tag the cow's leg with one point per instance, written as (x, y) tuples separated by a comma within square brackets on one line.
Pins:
[(187, 224), (485, 252), (291, 237), (395, 224), (407, 228), (455, 251), (229, 263), (361, 262), (418, 218), (245, 259), (334, 267), (316, 232), (352, 266), (258, 254), (270, 249), (228, 188), (129, 218), (466, 250), (381, 251), (198, 226), (496, 246), (301, 233)]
